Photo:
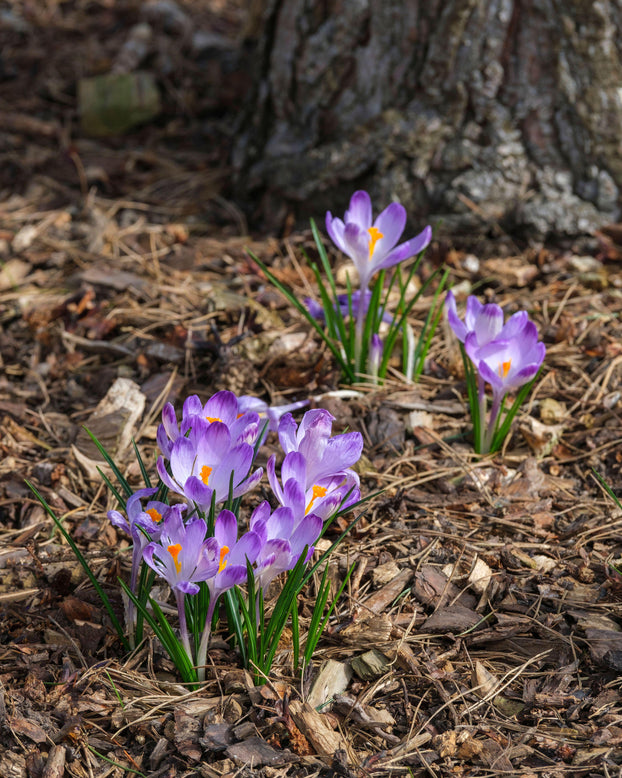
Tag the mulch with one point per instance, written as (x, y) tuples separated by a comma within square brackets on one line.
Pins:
[(481, 631)]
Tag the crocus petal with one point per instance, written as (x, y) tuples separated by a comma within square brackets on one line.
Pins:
[(274, 481), (336, 231), (247, 547), (344, 450), (222, 406), (164, 476), (294, 466), (195, 533), (287, 433), (451, 311), (196, 491), (183, 456), (294, 496), (514, 326), (356, 246), (226, 529), (360, 211), (248, 483), (192, 406), (118, 520), (281, 523), (488, 324), (390, 223), (473, 308), (306, 533), (406, 250), (232, 575), (187, 587), (260, 515), (213, 443)]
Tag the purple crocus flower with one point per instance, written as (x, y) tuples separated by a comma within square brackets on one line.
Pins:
[(507, 363), (183, 556), (506, 356), (243, 423), (324, 455), (207, 462), (142, 525), (282, 540), (371, 245), (321, 496), (485, 321)]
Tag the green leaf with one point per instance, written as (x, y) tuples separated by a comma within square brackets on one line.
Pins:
[(164, 632), (293, 300), (108, 459)]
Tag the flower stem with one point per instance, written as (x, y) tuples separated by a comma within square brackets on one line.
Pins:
[(202, 652), (481, 395), (183, 627), (358, 336), (492, 419)]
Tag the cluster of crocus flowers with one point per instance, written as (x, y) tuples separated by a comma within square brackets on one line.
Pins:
[(207, 461), (507, 356), (373, 246)]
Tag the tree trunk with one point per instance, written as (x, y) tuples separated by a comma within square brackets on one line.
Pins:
[(476, 112)]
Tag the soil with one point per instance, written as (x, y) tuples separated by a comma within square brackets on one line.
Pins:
[(481, 631)]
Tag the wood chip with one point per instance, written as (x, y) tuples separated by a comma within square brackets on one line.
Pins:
[(315, 728), (333, 678), (383, 598), (453, 618), (55, 765), (372, 664)]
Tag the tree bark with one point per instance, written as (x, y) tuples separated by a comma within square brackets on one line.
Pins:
[(477, 112)]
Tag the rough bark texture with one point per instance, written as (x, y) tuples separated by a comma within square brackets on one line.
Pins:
[(476, 111)]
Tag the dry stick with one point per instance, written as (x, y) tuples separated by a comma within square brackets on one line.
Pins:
[(503, 684), (55, 765), (563, 302), (614, 363)]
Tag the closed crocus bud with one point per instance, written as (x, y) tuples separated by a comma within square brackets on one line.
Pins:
[(375, 355)]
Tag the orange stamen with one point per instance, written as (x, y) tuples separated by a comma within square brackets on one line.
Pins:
[(155, 515), (212, 418), (318, 491), (504, 368), (206, 471), (374, 237), (223, 562), (174, 552)]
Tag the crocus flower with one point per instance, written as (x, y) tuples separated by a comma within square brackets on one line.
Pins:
[(142, 525), (322, 496), (183, 556), (324, 455), (507, 363), (282, 541), (485, 321), (506, 356), (371, 245), (375, 355), (207, 462), (243, 422)]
